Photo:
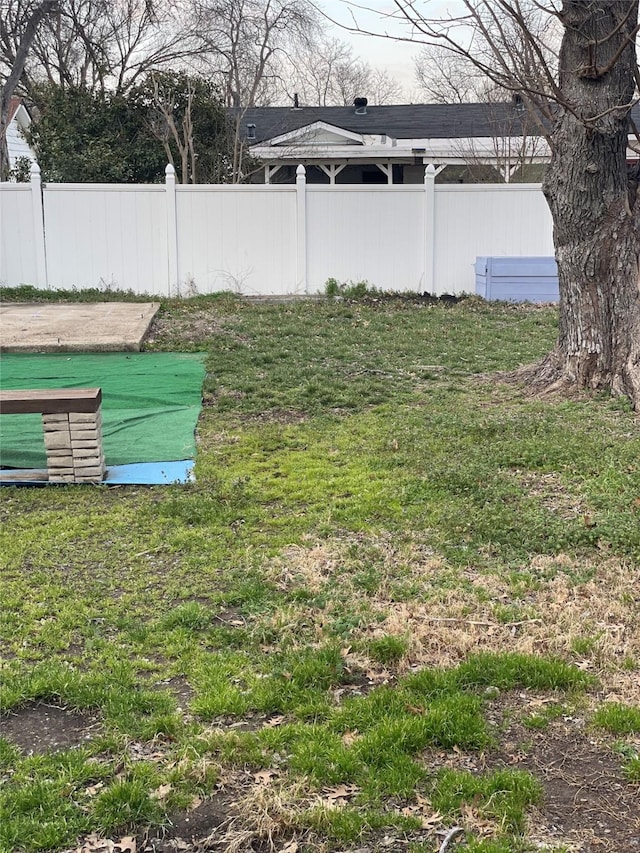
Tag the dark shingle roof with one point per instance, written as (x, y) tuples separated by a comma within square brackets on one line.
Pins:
[(410, 121)]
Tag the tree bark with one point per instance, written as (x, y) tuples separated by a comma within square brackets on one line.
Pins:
[(594, 201), (17, 69)]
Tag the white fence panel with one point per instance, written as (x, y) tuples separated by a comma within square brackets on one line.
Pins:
[(486, 219), (17, 238), (372, 233), (262, 240), (106, 236), (238, 238)]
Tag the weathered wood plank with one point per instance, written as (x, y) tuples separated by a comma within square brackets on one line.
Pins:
[(50, 401)]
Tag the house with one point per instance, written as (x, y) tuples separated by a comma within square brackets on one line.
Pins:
[(19, 121), (366, 144)]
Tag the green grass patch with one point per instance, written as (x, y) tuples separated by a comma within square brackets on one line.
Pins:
[(631, 760), (376, 741), (40, 801), (503, 795), (632, 770), (348, 826), (372, 508), (617, 718)]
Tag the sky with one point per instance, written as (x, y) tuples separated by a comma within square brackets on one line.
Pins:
[(396, 56)]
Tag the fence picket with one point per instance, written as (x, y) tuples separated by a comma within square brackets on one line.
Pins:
[(265, 239)]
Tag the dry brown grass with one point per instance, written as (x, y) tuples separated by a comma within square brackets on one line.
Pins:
[(595, 623)]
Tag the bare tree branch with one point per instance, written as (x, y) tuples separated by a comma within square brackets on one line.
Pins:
[(582, 98), (31, 20)]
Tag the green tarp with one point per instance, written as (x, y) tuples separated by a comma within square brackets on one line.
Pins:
[(150, 403)]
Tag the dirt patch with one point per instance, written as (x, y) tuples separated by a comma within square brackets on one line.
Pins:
[(232, 617), (184, 325), (191, 830), (39, 728), (587, 803), (553, 495), (586, 800), (180, 688), (190, 326)]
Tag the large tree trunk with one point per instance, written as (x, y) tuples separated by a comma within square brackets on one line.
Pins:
[(595, 205), (6, 93)]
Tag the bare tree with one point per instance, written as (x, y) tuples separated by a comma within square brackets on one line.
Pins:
[(383, 88), (583, 106), (17, 44), (167, 126), (515, 143), (326, 72), (511, 154), (444, 77), (97, 44), (452, 76), (247, 41), (200, 139)]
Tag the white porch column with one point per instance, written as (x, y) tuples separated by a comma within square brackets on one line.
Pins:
[(429, 228), (38, 227), (301, 229), (173, 284)]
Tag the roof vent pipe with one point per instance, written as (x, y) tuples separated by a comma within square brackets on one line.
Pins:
[(361, 106), (251, 131)]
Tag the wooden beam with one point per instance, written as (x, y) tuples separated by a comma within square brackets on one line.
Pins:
[(50, 401)]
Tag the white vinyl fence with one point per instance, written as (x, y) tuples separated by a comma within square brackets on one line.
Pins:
[(167, 240)]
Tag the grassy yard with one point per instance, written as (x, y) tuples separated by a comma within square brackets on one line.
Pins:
[(401, 598)]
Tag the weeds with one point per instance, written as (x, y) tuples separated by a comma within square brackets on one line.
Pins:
[(348, 289)]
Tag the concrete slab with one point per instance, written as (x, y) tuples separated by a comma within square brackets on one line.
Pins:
[(77, 327)]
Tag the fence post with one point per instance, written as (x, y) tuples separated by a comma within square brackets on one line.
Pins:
[(173, 282), (429, 227), (38, 226), (301, 228)]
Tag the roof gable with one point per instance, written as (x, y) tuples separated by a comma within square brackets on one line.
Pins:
[(18, 113), (318, 133)]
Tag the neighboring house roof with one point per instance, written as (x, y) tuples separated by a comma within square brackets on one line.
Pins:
[(14, 103), (408, 121), (502, 134), (333, 137), (19, 121)]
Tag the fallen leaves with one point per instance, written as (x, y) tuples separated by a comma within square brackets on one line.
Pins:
[(145, 752), (339, 796), (94, 844), (423, 810), (349, 738), (162, 792), (263, 777)]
